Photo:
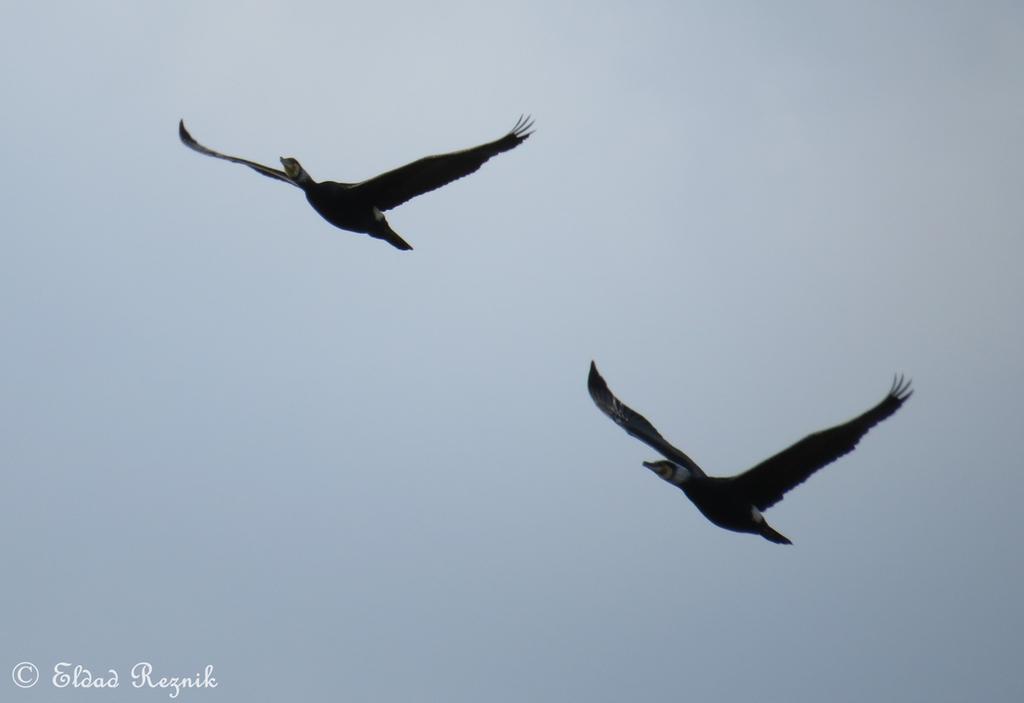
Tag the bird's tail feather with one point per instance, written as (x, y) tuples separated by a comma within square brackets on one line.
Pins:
[(772, 536), (392, 238)]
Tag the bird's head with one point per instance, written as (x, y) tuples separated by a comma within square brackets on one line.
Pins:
[(670, 471), (294, 170)]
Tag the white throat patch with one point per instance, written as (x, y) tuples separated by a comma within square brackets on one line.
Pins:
[(681, 475)]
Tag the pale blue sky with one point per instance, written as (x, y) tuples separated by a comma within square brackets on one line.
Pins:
[(234, 435)]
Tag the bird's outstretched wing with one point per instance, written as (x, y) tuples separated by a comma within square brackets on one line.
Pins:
[(766, 483), (633, 422), (191, 143), (393, 188)]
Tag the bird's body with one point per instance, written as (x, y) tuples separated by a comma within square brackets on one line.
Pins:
[(736, 502), (720, 502), (359, 207), (343, 207)]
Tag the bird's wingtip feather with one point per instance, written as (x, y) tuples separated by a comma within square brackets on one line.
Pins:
[(900, 389), (183, 134), (595, 384), (523, 127)]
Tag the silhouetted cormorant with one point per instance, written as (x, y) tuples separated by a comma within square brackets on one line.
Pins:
[(735, 503), (359, 207)]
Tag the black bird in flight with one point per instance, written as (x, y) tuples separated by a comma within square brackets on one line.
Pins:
[(736, 502), (359, 207)]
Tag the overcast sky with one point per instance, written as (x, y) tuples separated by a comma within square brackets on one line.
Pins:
[(233, 435)]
